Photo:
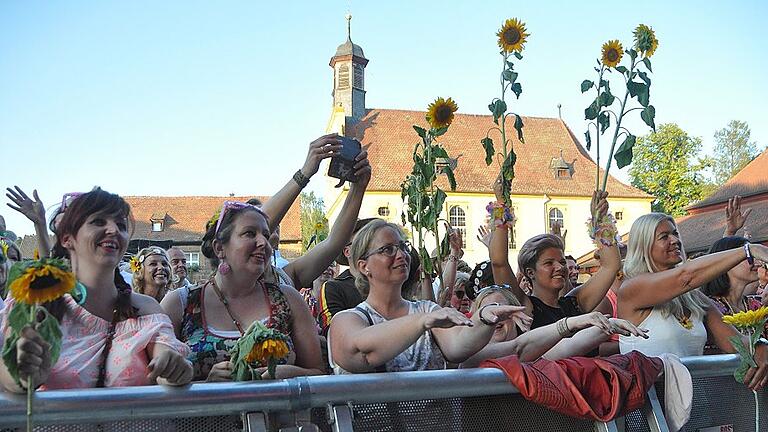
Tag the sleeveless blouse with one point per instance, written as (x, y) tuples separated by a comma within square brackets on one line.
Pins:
[(209, 346), (667, 335)]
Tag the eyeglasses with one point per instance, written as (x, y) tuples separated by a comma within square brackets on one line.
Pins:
[(235, 205), (390, 250), (494, 288)]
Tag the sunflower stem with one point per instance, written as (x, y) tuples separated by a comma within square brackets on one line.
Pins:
[(30, 378), (616, 131), (597, 131)]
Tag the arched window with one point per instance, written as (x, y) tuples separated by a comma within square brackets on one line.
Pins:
[(458, 220), (343, 77), (555, 215), (383, 211), (358, 81)]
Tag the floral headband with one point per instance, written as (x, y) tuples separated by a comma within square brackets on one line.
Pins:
[(137, 261)]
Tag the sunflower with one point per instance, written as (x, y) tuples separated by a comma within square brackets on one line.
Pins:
[(267, 350), (213, 220), (512, 36), (440, 112), (35, 282), (747, 319), (135, 264), (4, 247), (612, 53), (319, 226), (645, 40)]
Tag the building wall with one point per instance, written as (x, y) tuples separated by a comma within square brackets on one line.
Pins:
[(532, 214)]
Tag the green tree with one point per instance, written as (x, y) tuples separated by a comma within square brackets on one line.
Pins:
[(666, 165), (314, 225), (733, 150)]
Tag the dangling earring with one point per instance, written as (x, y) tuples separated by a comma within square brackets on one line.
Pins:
[(224, 268)]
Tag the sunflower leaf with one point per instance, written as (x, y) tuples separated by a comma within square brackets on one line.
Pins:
[(639, 90), (644, 76), (622, 69), (451, 177), (498, 107), (647, 62), (604, 120), (632, 53), (440, 131), (606, 99), (487, 143), (591, 112), (623, 154), (420, 130), (648, 114), (510, 65), (426, 260), (509, 75), (589, 140), (517, 89), (50, 332), (518, 55), (586, 85), (740, 372), (519, 128)]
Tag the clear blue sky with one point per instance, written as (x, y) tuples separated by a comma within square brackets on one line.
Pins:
[(208, 98)]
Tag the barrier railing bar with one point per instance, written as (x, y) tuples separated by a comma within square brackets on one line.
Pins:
[(209, 399), (341, 418), (654, 414)]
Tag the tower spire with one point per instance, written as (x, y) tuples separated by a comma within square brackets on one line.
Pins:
[(349, 26)]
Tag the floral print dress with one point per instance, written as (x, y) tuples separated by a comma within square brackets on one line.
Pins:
[(209, 346)]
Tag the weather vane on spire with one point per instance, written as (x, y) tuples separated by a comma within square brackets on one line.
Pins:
[(349, 25)]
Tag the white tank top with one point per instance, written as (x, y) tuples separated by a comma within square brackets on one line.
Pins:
[(667, 335)]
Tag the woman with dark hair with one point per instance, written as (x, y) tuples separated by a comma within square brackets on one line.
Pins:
[(211, 317), (727, 290), (115, 337)]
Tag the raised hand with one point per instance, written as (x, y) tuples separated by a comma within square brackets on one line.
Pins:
[(322, 148), (454, 240), (32, 209), (484, 235), (362, 170), (734, 217)]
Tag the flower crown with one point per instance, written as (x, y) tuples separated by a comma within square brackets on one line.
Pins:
[(137, 261)]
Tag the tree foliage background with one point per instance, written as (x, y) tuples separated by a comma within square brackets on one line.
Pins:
[(314, 225), (667, 166), (733, 150)]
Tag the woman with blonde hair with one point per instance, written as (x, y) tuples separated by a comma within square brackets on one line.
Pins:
[(659, 293), (389, 333), (151, 269)]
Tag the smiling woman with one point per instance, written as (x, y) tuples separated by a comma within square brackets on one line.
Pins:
[(151, 272)]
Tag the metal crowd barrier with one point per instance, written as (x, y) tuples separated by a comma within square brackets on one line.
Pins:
[(450, 400)]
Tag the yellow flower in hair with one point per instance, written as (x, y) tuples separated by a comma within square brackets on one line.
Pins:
[(440, 112), (135, 265), (4, 248), (213, 220), (36, 282), (512, 36), (747, 319), (612, 53)]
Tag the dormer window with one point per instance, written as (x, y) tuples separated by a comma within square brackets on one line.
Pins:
[(561, 169), (157, 226), (158, 221)]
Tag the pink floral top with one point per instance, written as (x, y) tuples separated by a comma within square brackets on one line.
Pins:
[(83, 339)]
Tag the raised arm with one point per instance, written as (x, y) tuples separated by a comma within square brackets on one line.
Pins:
[(449, 270), (35, 212), (305, 269), (277, 206), (651, 289), (499, 255), (734, 217)]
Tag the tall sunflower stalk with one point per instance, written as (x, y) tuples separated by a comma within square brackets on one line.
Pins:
[(425, 199), (32, 283), (511, 39), (750, 324), (637, 84)]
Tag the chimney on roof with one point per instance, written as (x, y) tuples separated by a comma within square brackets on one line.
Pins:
[(231, 194)]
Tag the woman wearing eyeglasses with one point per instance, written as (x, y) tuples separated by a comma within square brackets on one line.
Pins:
[(212, 316), (389, 333)]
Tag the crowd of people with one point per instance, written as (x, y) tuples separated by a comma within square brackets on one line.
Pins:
[(150, 325)]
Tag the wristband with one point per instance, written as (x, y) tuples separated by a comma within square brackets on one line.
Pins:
[(480, 314), (750, 258), (301, 179)]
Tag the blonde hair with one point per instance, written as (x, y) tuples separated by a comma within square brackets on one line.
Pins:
[(639, 261), (360, 246), (138, 277), (505, 292)]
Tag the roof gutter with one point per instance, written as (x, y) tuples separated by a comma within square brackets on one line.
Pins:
[(547, 199)]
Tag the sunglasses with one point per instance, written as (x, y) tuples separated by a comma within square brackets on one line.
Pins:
[(234, 205), (390, 250)]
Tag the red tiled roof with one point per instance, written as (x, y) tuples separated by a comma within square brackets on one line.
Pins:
[(700, 230), (389, 137), (186, 216), (751, 180)]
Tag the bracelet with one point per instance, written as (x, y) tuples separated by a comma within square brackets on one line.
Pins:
[(301, 179), (750, 258), (562, 328), (480, 314), (452, 258)]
